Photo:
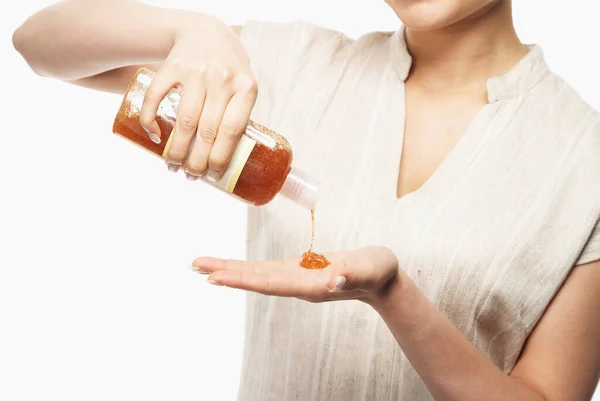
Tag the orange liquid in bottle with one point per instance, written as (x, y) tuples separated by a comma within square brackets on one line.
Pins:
[(263, 174)]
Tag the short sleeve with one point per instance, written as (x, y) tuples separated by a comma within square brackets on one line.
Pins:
[(279, 52), (591, 251)]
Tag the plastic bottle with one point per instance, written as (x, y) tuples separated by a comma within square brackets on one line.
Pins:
[(260, 168)]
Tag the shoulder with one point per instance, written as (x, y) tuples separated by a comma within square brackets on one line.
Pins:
[(305, 32), (575, 126), (561, 94), (554, 136), (564, 112), (284, 43), (297, 61), (289, 39)]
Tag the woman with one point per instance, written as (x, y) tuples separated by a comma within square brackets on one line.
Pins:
[(448, 144)]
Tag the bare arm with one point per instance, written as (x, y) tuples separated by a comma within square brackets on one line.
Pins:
[(101, 43), (561, 360)]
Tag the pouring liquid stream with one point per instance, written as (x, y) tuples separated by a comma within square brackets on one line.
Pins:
[(310, 259)]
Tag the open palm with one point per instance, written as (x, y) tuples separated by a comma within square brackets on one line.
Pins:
[(360, 274)]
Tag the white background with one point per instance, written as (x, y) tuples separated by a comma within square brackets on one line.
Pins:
[(97, 300)]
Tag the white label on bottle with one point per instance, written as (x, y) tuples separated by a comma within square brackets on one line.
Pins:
[(231, 175)]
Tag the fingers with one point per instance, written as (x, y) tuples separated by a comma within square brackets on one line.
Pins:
[(233, 125), (228, 105), (276, 282), (161, 84), (214, 264), (360, 274), (365, 270), (208, 127), (190, 109), (278, 278), (212, 115)]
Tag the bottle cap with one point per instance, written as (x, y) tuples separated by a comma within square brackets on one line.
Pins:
[(300, 188)]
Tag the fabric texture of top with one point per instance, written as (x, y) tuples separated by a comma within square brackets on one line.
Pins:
[(489, 238)]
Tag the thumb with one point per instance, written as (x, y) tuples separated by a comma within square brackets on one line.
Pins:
[(365, 269)]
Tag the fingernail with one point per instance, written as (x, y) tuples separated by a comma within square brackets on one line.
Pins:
[(191, 177), (213, 282), (213, 175), (174, 167), (199, 270), (340, 281), (153, 137)]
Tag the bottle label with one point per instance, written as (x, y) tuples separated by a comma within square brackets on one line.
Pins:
[(232, 174), (168, 145)]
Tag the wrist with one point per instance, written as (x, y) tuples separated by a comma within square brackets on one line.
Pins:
[(186, 22), (398, 293), (173, 24)]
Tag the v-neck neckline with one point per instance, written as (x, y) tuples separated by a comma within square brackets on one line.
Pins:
[(448, 158), (525, 75), (520, 79)]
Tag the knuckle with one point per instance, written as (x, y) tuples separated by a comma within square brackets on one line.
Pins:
[(218, 162), (187, 125), (213, 72), (219, 77), (185, 68), (146, 120), (247, 84), (232, 130), (151, 97), (207, 134), (226, 75), (197, 70), (175, 156), (173, 63), (195, 167), (151, 101)]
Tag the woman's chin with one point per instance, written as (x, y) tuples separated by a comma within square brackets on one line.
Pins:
[(424, 26), (424, 17)]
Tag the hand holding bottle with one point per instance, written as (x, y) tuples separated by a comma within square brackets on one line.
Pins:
[(194, 113), (218, 92), (261, 165)]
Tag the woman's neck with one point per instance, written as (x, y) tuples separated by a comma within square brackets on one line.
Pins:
[(465, 55)]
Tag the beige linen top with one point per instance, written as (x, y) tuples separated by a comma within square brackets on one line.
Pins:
[(489, 238)]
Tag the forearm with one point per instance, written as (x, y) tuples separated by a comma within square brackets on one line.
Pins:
[(452, 368), (74, 39)]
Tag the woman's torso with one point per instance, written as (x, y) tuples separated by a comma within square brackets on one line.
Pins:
[(488, 238)]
